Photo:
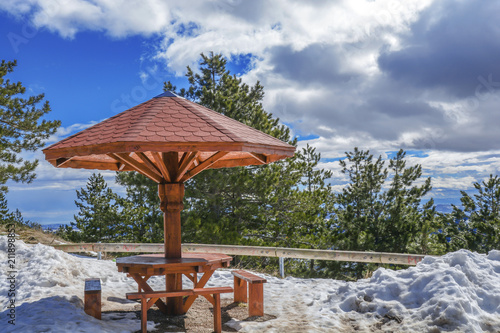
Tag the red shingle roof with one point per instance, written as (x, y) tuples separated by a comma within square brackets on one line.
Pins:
[(164, 120), (166, 124)]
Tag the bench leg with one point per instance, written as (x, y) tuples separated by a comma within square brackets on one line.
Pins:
[(240, 290), (256, 296), (217, 314), (144, 315)]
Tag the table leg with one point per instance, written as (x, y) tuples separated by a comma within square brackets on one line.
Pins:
[(174, 304), (142, 284), (201, 283)]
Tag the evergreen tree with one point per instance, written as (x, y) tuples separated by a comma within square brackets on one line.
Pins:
[(141, 208), (475, 225), (99, 217), (369, 217), (20, 128), (5, 214)]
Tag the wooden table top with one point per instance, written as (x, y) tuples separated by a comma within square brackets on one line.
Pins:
[(188, 260)]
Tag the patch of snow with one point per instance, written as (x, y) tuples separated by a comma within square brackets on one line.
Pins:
[(458, 292)]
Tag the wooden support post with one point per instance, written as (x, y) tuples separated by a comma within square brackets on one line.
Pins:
[(171, 196), (256, 296), (240, 290), (93, 298), (174, 304)]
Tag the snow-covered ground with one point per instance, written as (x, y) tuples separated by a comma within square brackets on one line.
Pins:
[(459, 292)]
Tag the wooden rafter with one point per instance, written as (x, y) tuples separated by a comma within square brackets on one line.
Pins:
[(161, 165), (61, 161), (260, 157), (149, 163), (126, 159), (186, 162), (204, 165)]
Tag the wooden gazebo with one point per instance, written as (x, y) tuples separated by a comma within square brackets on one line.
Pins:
[(168, 139)]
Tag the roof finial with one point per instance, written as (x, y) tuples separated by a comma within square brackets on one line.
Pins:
[(167, 94)]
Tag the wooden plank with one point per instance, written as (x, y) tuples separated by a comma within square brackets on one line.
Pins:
[(186, 164), (180, 293), (163, 169), (137, 166), (204, 165), (133, 146), (98, 165)]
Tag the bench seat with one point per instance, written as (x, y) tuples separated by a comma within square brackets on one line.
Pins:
[(255, 298), (150, 297)]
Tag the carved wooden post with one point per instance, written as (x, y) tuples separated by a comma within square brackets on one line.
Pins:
[(171, 196)]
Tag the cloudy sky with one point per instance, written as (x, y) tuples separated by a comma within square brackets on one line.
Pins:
[(379, 75)]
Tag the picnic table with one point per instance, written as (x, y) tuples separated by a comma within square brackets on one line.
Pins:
[(142, 267)]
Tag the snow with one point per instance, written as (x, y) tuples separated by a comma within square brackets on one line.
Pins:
[(458, 292)]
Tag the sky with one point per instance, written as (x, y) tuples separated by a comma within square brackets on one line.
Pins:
[(379, 75)]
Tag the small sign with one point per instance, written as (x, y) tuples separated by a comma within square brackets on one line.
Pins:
[(92, 284)]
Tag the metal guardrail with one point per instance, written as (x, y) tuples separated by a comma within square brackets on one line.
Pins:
[(352, 256)]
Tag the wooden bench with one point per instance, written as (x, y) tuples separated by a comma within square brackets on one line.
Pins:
[(255, 288), (149, 298)]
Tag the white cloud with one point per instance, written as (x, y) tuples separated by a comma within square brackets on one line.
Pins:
[(379, 75)]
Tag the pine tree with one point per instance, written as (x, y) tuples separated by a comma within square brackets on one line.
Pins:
[(5, 214), (475, 225), (20, 128), (371, 216), (99, 216)]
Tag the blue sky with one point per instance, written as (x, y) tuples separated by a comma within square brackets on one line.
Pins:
[(379, 75)]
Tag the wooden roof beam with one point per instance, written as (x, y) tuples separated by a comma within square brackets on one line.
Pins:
[(161, 166), (149, 163), (61, 161), (260, 157), (186, 163), (125, 158), (204, 165)]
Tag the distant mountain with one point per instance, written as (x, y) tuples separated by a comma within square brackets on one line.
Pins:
[(52, 227), (444, 208)]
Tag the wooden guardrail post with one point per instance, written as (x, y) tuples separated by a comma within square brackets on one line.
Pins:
[(93, 298)]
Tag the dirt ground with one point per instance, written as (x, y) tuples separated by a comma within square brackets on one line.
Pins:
[(199, 318)]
